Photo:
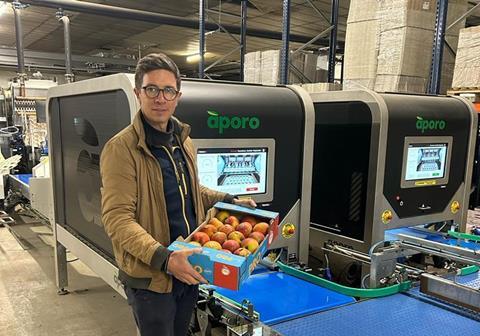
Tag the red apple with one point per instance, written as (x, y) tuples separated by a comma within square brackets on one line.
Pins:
[(209, 229), (258, 236), (227, 251), (248, 218), (220, 237), (232, 220), (231, 245), (235, 235), (200, 237), (261, 227), (245, 228), (213, 245), (227, 229), (242, 252), (250, 244)]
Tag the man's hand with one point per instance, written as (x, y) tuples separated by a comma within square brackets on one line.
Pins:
[(180, 268), (246, 202)]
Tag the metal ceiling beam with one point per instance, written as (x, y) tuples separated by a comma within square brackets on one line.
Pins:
[(139, 15)]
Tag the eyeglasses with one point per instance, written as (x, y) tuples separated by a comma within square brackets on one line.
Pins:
[(152, 91)]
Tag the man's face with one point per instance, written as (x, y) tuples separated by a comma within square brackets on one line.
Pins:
[(157, 111)]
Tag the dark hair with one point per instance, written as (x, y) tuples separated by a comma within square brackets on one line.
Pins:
[(155, 62)]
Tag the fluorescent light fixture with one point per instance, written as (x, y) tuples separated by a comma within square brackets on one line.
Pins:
[(193, 58), (196, 57)]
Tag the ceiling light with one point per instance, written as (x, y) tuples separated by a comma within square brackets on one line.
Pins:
[(193, 58), (196, 57)]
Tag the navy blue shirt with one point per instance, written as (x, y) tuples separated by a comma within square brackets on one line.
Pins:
[(168, 151)]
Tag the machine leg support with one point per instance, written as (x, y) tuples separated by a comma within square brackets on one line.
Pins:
[(63, 291)]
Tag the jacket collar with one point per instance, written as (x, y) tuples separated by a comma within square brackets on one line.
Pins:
[(180, 129)]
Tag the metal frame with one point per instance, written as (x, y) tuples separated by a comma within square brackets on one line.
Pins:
[(242, 46), (69, 76), (440, 40), (332, 51), (157, 18), (201, 44), (437, 53), (285, 62), (22, 76), (285, 42), (306, 193)]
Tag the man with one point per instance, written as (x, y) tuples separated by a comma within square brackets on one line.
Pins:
[(150, 197)]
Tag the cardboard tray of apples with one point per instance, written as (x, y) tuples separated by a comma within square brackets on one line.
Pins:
[(233, 240)]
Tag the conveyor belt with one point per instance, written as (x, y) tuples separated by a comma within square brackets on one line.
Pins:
[(278, 296), (432, 236), (25, 178), (398, 315)]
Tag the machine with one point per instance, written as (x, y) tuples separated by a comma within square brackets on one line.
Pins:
[(385, 161), (240, 149), (343, 169)]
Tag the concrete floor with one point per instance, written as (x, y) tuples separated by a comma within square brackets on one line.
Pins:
[(29, 303)]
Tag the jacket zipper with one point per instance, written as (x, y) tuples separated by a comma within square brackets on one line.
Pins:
[(179, 188), (182, 173), (190, 163)]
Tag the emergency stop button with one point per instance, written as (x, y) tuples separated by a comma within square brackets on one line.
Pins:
[(387, 216), (288, 230), (455, 207)]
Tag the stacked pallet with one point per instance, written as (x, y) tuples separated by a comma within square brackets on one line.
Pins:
[(389, 44), (263, 67), (467, 65)]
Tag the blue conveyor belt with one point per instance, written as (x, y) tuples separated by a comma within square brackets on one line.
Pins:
[(25, 178), (398, 315), (278, 296), (472, 280)]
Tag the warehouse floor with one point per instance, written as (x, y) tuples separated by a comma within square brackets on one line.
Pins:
[(29, 303)]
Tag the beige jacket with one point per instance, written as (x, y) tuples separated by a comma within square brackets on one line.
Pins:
[(134, 211)]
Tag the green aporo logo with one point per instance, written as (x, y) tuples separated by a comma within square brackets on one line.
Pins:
[(425, 124), (215, 120)]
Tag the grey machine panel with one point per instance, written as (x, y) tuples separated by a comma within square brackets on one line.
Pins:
[(80, 125), (360, 153)]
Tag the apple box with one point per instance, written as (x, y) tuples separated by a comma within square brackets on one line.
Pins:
[(230, 269)]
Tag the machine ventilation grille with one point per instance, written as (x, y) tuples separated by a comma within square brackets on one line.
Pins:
[(355, 197)]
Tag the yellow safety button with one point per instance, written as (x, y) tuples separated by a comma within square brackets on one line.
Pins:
[(387, 216), (288, 230), (455, 207)]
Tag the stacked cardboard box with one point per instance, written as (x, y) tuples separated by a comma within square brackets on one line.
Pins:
[(405, 26), (467, 65), (270, 67), (321, 87), (264, 67), (389, 44), (456, 8), (252, 67), (361, 45)]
